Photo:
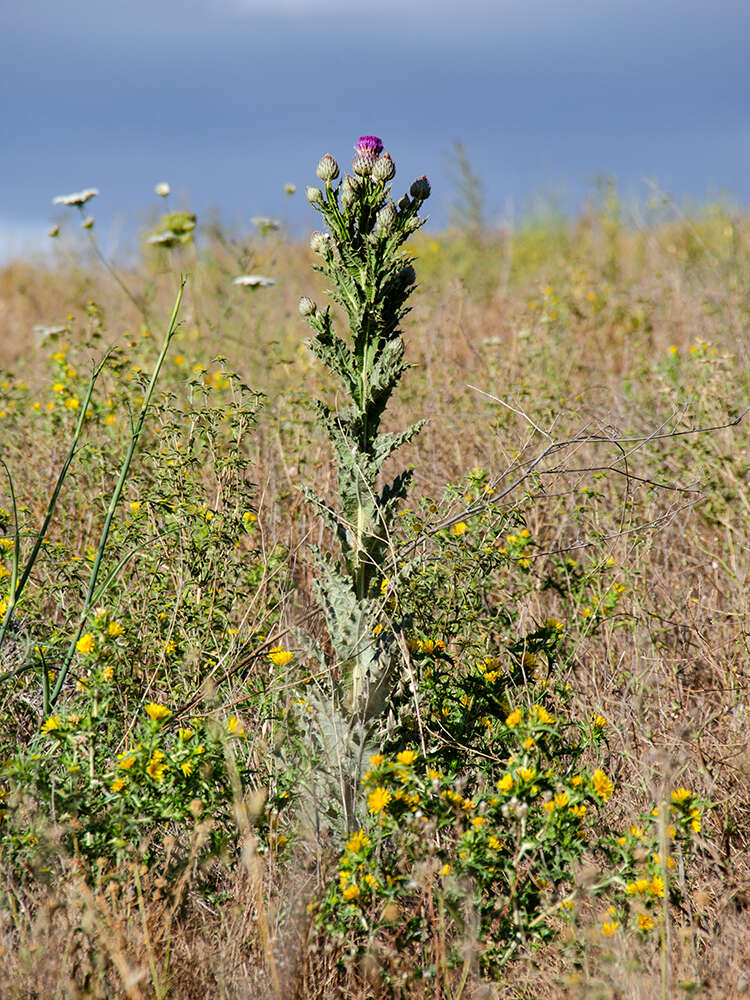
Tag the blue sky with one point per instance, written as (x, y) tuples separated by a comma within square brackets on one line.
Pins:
[(230, 99)]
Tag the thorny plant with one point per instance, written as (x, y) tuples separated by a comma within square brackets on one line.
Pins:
[(371, 281)]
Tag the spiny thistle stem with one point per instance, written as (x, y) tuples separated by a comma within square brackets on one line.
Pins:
[(371, 279)]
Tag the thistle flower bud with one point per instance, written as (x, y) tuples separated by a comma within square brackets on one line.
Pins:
[(384, 169), (420, 189), (403, 203), (362, 165), (319, 242), (406, 276), (314, 195), (348, 193), (366, 152), (386, 219), (307, 307), (328, 169)]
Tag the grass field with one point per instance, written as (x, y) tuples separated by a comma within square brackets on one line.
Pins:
[(556, 791)]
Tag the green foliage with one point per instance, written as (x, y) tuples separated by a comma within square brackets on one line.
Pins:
[(498, 852)]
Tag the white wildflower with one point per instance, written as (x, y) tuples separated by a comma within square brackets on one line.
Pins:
[(265, 225), (77, 198), (162, 189), (253, 281), (44, 333), (166, 238)]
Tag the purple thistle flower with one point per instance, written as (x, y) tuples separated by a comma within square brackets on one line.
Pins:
[(369, 145), (366, 152)]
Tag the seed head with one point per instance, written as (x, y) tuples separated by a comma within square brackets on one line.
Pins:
[(314, 195), (307, 307), (420, 189), (328, 169), (386, 219), (384, 169)]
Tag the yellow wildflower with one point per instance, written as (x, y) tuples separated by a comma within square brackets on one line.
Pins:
[(85, 644), (117, 785), (235, 726), (280, 656), (602, 785), (561, 800), (695, 820), (609, 927), (505, 783), (378, 799), (599, 722), (657, 886), (543, 715), (377, 759), (681, 795), (156, 766), (126, 760), (357, 841), (187, 768), (640, 885), (406, 757), (514, 718), (157, 712), (526, 773), (115, 629), (459, 528), (351, 892), (494, 843), (645, 922), (52, 723)]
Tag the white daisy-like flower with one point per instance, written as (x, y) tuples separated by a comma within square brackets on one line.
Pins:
[(162, 189), (77, 198), (163, 239), (253, 281), (44, 333), (264, 224)]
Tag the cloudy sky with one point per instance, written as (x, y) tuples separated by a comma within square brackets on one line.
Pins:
[(230, 99)]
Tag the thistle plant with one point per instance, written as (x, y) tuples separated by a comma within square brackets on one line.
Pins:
[(371, 280)]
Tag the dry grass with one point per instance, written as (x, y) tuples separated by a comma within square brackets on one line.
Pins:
[(543, 323)]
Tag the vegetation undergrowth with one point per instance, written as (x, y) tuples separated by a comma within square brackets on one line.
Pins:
[(447, 726)]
